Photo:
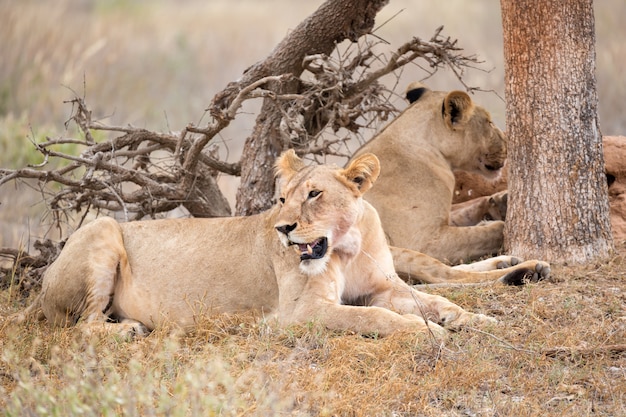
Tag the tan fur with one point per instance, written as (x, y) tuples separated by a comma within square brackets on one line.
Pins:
[(172, 272), (485, 208), (471, 185), (440, 132)]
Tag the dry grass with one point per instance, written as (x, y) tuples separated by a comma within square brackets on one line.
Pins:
[(558, 351)]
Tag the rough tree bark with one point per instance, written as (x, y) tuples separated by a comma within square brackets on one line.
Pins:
[(333, 22), (558, 202)]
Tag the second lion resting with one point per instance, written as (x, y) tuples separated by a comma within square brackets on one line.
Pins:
[(320, 254), (438, 133)]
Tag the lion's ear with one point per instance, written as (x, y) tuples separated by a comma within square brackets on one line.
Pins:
[(363, 171), (457, 109), (287, 164), (415, 91)]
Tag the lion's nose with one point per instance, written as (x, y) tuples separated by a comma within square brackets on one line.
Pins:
[(286, 228), (494, 166)]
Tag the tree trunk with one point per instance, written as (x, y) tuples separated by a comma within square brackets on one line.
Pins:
[(558, 200), (333, 22)]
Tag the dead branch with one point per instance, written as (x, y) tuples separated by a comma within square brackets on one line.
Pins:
[(346, 93), (583, 351), (25, 271), (438, 51)]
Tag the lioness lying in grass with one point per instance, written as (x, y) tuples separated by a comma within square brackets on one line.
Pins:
[(320, 254)]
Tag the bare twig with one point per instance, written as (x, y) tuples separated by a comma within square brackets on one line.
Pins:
[(560, 351), (25, 270), (346, 94), (503, 342)]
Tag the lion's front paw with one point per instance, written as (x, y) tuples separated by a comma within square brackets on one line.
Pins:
[(131, 329), (532, 273), (467, 319), (481, 320), (508, 261), (438, 331), (126, 329), (498, 205), (426, 325)]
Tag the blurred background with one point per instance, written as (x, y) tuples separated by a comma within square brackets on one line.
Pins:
[(158, 63)]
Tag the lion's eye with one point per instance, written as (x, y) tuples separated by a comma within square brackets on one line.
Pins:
[(314, 193), (282, 200)]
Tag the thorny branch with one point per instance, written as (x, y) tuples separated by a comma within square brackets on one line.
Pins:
[(346, 94), (140, 173)]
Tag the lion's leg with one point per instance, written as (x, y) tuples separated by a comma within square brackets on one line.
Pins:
[(95, 320), (417, 267), (470, 212), (474, 211), (370, 319), (318, 298), (406, 300), (461, 244), (79, 287), (497, 262), (125, 328)]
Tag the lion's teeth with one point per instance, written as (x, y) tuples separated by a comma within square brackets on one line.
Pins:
[(309, 250)]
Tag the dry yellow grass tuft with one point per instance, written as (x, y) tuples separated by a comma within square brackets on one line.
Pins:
[(560, 349)]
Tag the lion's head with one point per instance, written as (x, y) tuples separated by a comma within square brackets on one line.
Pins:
[(320, 207), (482, 143)]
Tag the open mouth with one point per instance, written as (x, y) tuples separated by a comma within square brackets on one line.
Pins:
[(314, 250)]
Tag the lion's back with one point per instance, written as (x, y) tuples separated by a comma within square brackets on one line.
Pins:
[(182, 267)]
